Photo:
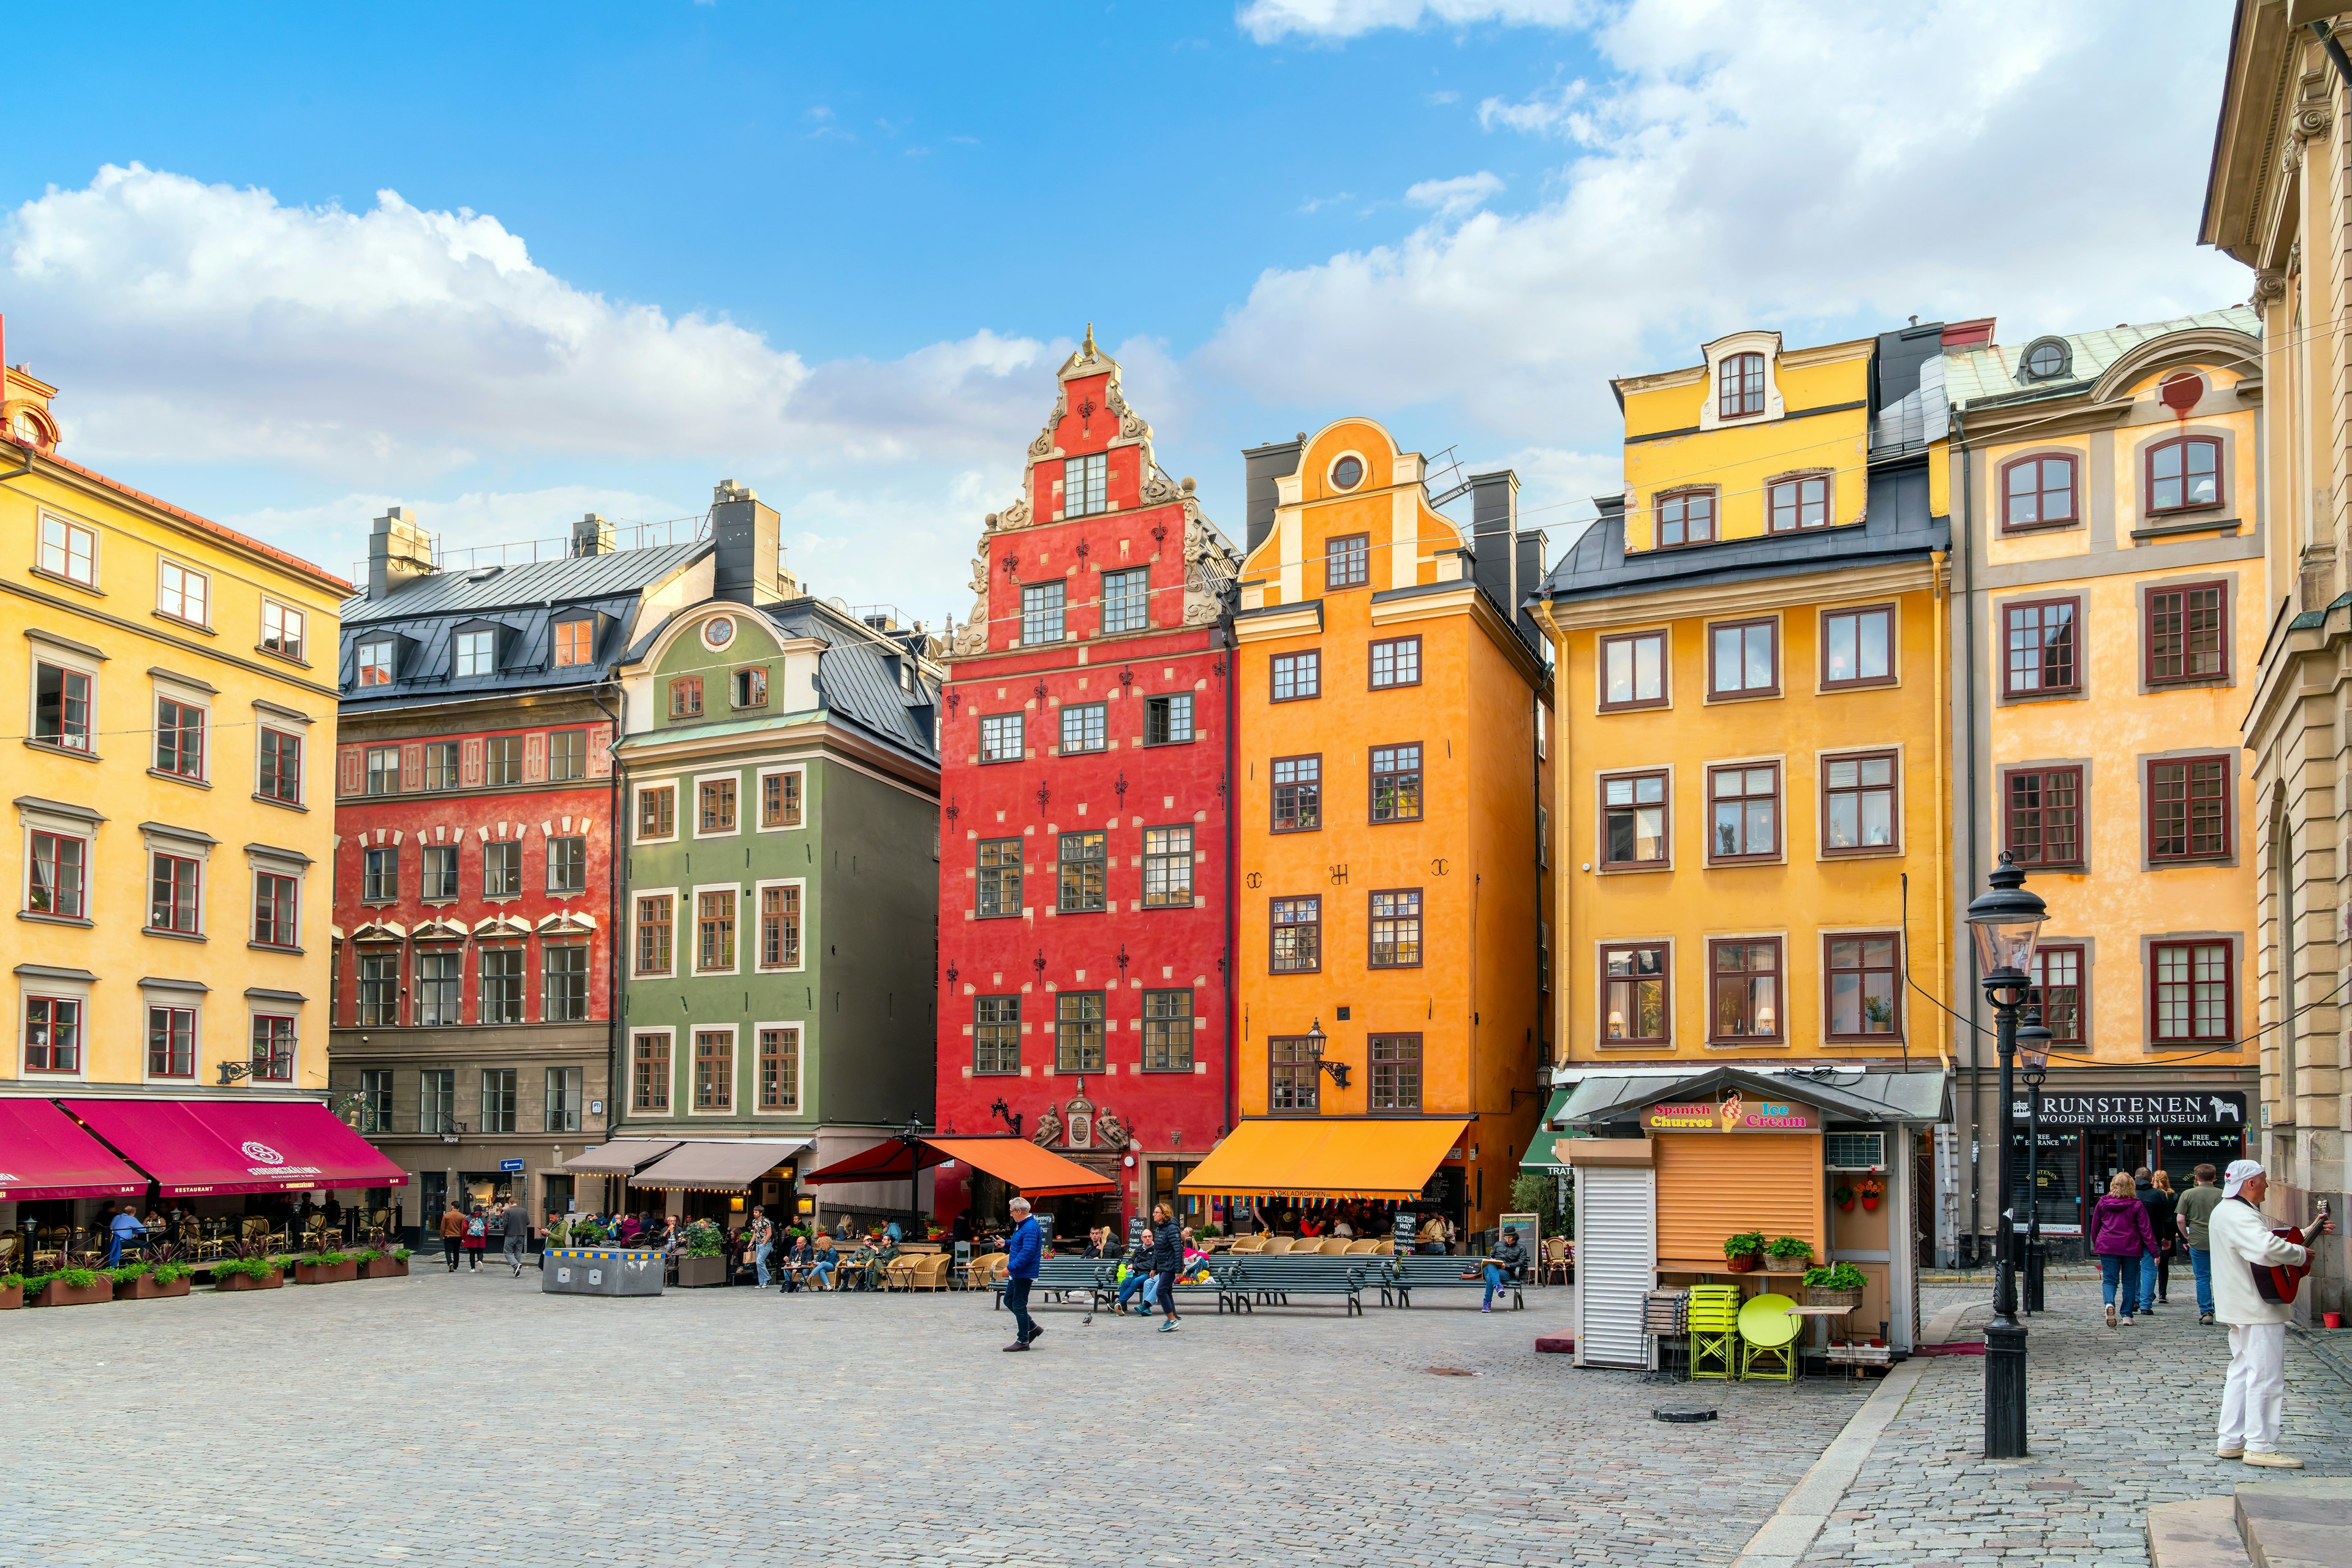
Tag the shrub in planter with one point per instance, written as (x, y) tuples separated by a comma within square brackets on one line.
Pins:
[(1789, 1251), (1843, 1197), (1740, 1251), (1839, 1285), (325, 1268), (12, 1292), (149, 1281), (70, 1288), (392, 1264), (247, 1274)]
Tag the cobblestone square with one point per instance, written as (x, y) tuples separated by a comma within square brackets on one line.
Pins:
[(436, 1417)]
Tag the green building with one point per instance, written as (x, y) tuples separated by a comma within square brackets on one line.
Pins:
[(781, 873)]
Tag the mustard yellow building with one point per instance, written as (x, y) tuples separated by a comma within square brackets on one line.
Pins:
[(172, 798), (1750, 760), (2111, 599), (1389, 837)]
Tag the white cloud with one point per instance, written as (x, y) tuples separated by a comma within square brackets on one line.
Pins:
[(1791, 163), (1268, 20), (1451, 198)]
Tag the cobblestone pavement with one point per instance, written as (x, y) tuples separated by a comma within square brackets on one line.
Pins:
[(437, 1417), (2118, 1419)]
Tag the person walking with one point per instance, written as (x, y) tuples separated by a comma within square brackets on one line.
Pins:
[(2253, 1397), (514, 1226), (1167, 1261), (2121, 1236), (2163, 1212), (1024, 1253), (764, 1243), (2193, 1215), (2160, 1220), (453, 1232), (478, 1238)]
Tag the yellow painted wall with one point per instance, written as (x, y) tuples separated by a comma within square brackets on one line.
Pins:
[(1474, 998), (119, 618)]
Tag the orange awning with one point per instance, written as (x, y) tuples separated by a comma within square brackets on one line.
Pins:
[(1031, 1171), (1322, 1157)]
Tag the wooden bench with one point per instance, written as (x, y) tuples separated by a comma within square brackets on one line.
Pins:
[(1403, 1275), (1273, 1280)]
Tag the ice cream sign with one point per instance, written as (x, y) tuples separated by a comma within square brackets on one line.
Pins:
[(1733, 1113)]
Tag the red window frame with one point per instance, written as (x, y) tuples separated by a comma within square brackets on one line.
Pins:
[(2041, 491), (1788, 504), (2188, 989), (2185, 446), (175, 888), (274, 1043), (175, 1044), (2048, 804), (1718, 691), (2063, 1003), (1631, 642), (2048, 614), (1716, 976), (44, 1011), (1739, 386), (2197, 804), (1852, 952), (2172, 612), (1688, 515), (65, 903), (275, 893)]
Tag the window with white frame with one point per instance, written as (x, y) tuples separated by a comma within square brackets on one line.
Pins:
[(1085, 485), (281, 628), (61, 707), (372, 662), (183, 593), (69, 551), (478, 653)]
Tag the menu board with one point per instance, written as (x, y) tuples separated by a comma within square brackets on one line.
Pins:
[(1405, 1228)]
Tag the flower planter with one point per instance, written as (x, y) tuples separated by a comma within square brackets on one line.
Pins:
[(269, 1281), (1870, 1202), (385, 1268), (10, 1297), (147, 1288), (57, 1293), (1822, 1296), (1745, 1264), (700, 1271), (325, 1273)]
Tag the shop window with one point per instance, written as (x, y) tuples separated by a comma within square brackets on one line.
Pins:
[(179, 739), (2043, 812), (714, 931), (440, 988), (1295, 944), (655, 930), (2184, 473), (1396, 1072), (780, 1068), (1739, 386), (273, 1049), (2183, 633), (1292, 1075), (996, 1035), (1127, 601), (1000, 738), (1396, 928), (1167, 721), (1858, 648), (281, 776), (1634, 671), (1347, 561), (1396, 782), (1086, 487), (1744, 658), (172, 1043), (499, 992), (2188, 808), (1079, 1031), (1685, 517), (173, 893), (714, 806), (1859, 809), (1800, 503), (2041, 653), (1743, 803), (714, 1069), (563, 983), (1635, 982), (1297, 797), (658, 813), (1395, 661), (1168, 1031), (53, 1034), (502, 869), (1865, 978), (1040, 614), (1633, 822), (61, 707), (2192, 992), (1000, 878), (650, 1073), (2039, 492), (1744, 977), (2058, 992), (1085, 873), (780, 928), (1167, 867)]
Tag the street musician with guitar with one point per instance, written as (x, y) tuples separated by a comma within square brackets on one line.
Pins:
[(2256, 1270)]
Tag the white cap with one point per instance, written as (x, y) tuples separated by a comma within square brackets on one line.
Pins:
[(2235, 1176)]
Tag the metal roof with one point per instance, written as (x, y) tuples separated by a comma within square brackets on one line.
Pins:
[(1896, 523), (858, 674), (569, 580), (1977, 375), (1854, 1094)]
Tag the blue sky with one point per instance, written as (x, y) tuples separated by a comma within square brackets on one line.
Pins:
[(504, 265)]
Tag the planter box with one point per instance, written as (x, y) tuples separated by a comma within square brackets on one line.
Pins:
[(270, 1282), (385, 1268), (12, 1298), (1742, 1265), (326, 1273), (1822, 1296), (698, 1272), (57, 1293), (147, 1288)]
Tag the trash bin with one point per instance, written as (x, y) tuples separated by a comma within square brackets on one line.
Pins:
[(601, 1272)]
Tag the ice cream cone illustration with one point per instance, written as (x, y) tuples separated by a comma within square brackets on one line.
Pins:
[(1731, 1111)]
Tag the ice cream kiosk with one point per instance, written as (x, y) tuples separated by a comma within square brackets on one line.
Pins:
[(1813, 1167)]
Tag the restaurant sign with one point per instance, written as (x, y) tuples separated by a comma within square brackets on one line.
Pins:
[(1732, 1114), (2208, 1107)]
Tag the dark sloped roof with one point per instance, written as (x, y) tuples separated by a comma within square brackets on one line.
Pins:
[(428, 612), (1896, 523), (857, 678)]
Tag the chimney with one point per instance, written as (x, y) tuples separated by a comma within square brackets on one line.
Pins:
[(1261, 466), (749, 565), (1494, 537), (591, 535), (398, 551), (1531, 579)]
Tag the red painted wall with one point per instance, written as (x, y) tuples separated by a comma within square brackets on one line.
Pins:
[(1120, 790)]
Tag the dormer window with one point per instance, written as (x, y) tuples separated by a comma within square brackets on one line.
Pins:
[(906, 676), (575, 642), (1739, 388), (750, 686), (374, 662), (478, 653), (2046, 359)]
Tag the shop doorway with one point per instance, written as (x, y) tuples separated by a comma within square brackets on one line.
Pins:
[(432, 1198), (558, 1197), (483, 1188), (2106, 1150), (1190, 1208), (2055, 1182)]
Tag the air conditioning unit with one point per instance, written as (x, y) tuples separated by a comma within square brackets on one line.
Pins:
[(1856, 1151)]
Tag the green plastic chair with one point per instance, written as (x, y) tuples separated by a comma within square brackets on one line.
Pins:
[(1768, 1340), (1714, 1323)]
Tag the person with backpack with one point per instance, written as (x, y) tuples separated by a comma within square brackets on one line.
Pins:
[(2122, 1237), (478, 1238)]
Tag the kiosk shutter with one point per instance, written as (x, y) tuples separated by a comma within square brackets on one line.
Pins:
[(1615, 1264), (1714, 1185)]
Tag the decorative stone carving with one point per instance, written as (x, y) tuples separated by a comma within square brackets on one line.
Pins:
[(1013, 516), (1042, 446), (1132, 426), (1156, 488), (2269, 284), (973, 638), (1111, 1132), (1209, 570), (1049, 1128)]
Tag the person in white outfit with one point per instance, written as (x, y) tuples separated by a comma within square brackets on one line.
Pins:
[(2255, 1393)]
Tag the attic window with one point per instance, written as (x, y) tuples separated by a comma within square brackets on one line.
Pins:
[(2046, 359), (906, 676), (1740, 387), (574, 641), (485, 574), (374, 662), (478, 653)]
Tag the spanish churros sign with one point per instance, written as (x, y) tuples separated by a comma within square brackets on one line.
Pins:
[(1733, 1113)]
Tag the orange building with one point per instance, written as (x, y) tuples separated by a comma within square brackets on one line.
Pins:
[(1392, 709)]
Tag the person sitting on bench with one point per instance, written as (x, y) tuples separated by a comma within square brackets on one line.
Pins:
[(1510, 1262)]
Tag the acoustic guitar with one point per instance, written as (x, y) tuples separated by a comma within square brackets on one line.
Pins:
[(2280, 1281)]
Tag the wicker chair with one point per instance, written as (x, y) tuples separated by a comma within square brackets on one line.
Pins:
[(930, 1271), (1248, 1245), (1555, 1258), (1277, 1244), (985, 1270), (1361, 1247)]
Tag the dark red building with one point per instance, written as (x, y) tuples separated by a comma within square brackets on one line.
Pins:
[(1086, 756)]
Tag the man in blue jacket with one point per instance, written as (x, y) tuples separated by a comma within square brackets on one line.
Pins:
[(1023, 1253)]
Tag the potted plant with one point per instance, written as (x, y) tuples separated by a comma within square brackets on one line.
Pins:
[(1873, 1189), (1838, 1285), (1740, 1251), (377, 1265), (12, 1292), (257, 1272), (70, 1288), (325, 1268), (149, 1281), (1788, 1253), (702, 1263), (1843, 1196)]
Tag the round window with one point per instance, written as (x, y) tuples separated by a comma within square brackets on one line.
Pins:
[(1347, 473), (2046, 359), (719, 631)]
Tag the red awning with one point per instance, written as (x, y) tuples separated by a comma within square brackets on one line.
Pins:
[(238, 1146), (1022, 1165), (894, 1160), (44, 1155)]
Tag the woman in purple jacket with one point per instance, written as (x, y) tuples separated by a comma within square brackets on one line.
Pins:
[(2121, 1236)]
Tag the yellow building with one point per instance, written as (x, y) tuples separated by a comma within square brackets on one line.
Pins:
[(172, 803), (1750, 760), (2110, 603), (1389, 752)]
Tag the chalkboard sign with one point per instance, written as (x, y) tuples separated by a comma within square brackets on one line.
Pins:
[(1404, 1230), (1136, 1224)]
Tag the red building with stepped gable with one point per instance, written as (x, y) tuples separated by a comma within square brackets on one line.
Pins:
[(1086, 756)]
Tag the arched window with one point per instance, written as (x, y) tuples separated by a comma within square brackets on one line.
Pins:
[(2038, 492), (1740, 385), (1685, 517), (2184, 473)]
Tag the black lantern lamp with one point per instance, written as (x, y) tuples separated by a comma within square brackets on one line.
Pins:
[(1338, 1070), (2005, 923), (2033, 1054)]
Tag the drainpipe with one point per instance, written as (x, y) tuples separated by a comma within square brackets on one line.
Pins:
[(1563, 969), (1975, 861)]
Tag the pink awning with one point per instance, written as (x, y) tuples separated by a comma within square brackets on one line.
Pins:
[(44, 1155), (238, 1146)]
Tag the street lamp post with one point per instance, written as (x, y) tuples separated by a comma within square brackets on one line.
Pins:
[(2005, 923), (2034, 1047)]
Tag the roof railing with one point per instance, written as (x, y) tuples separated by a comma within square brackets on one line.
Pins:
[(658, 534)]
